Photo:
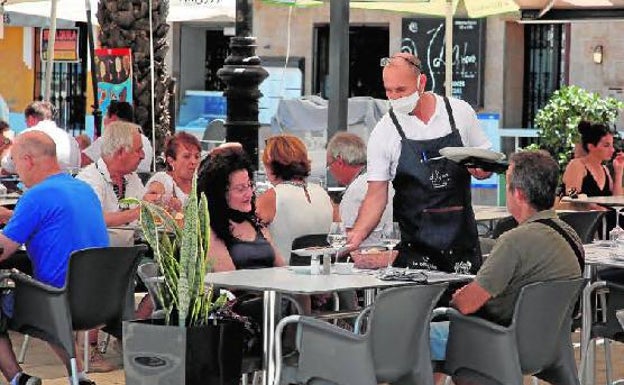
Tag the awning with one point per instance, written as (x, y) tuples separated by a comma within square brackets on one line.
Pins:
[(179, 10)]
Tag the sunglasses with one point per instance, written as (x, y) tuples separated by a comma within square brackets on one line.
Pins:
[(384, 61)]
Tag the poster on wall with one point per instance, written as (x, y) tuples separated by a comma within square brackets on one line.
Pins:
[(424, 37), (114, 76), (65, 45)]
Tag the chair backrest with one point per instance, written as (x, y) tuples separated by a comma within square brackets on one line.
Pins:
[(100, 284), (214, 134), (304, 241), (149, 274), (585, 223), (543, 312), (504, 225), (399, 330)]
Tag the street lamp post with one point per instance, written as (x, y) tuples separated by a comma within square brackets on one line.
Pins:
[(242, 73)]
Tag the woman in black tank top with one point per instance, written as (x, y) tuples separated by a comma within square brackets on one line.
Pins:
[(588, 174), (238, 241)]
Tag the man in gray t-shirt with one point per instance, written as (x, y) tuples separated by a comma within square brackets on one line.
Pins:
[(532, 252)]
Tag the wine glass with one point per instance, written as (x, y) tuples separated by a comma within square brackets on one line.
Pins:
[(390, 236), (337, 235), (616, 235)]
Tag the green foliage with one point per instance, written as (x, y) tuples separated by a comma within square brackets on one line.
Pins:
[(181, 256), (557, 121)]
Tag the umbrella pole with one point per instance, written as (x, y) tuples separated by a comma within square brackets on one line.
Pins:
[(151, 40), (97, 114), (50, 62), (448, 56)]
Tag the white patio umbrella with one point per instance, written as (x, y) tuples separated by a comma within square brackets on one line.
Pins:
[(339, 21), (74, 10)]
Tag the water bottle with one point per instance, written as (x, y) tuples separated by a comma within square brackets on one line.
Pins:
[(315, 264)]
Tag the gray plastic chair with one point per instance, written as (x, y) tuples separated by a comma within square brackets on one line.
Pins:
[(585, 223), (149, 274), (214, 134), (98, 292), (537, 342), (394, 348)]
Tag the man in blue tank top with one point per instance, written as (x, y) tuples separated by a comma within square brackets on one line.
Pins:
[(55, 217)]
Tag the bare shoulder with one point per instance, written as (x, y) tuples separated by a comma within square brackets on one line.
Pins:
[(265, 206)]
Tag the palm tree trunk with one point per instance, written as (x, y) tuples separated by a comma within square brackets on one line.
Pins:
[(125, 23)]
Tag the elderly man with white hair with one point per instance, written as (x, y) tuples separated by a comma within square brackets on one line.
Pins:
[(114, 177)]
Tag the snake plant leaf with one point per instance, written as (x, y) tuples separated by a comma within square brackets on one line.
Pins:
[(181, 256)]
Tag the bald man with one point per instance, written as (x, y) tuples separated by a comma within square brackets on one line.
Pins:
[(56, 216), (432, 201)]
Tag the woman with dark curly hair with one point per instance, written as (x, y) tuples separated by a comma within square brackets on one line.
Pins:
[(238, 240), (292, 207)]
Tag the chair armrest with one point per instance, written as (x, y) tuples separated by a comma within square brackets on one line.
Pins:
[(473, 322), (21, 278), (360, 319), (467, 337)]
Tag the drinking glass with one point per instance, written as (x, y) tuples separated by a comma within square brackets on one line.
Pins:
[(616, 235), (337, 235), (391, 236)]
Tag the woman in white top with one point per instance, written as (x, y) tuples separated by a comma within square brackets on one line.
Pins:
[(292, 207), (182, 154)]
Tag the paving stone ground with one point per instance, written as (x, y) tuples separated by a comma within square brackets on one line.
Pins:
[(42, 362)]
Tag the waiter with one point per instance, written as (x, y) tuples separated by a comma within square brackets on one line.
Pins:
[(432, 201)]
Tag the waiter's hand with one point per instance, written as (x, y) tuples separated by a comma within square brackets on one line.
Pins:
[(355, 238), (479, 173)]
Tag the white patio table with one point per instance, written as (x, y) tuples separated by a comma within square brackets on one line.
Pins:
[(281, 280)]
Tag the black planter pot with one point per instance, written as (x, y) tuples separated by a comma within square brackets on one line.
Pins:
[(207, 355)]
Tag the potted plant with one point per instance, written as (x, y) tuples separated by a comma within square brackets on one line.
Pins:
[(557, 121), (199, 340)]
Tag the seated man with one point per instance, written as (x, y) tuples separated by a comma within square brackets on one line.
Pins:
[(542, 248), (56, 216), (40, 117), (119, 111), (346, 161), (114, 177)]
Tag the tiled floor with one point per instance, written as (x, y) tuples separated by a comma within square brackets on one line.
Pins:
[(42, 362)]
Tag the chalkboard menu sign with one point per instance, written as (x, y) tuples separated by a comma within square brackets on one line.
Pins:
[(425, 38)]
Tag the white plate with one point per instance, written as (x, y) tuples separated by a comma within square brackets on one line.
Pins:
[(300, 269), (309, 251), (457, 154)]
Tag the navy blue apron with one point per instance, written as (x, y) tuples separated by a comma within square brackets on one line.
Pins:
[(432, 204)]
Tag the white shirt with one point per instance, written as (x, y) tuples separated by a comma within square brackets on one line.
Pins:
[(94, 152), (295, 216), (97, 176), (67, 149), (350, 206), (171, 188), (384, 144)]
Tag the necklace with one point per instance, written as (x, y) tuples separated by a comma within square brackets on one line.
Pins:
[(302, 184)]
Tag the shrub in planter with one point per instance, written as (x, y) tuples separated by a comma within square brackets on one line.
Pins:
[(200, 340)]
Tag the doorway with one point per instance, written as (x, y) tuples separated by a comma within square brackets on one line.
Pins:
[(367, 45)]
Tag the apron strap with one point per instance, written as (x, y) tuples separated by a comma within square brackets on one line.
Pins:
[(577, 251), (396, 123), (449, 111), (410, 143)]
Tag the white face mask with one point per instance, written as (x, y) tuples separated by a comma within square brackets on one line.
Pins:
[(406, 104)]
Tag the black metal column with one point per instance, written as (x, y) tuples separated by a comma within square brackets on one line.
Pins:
[(242, 73), (338, 67)]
